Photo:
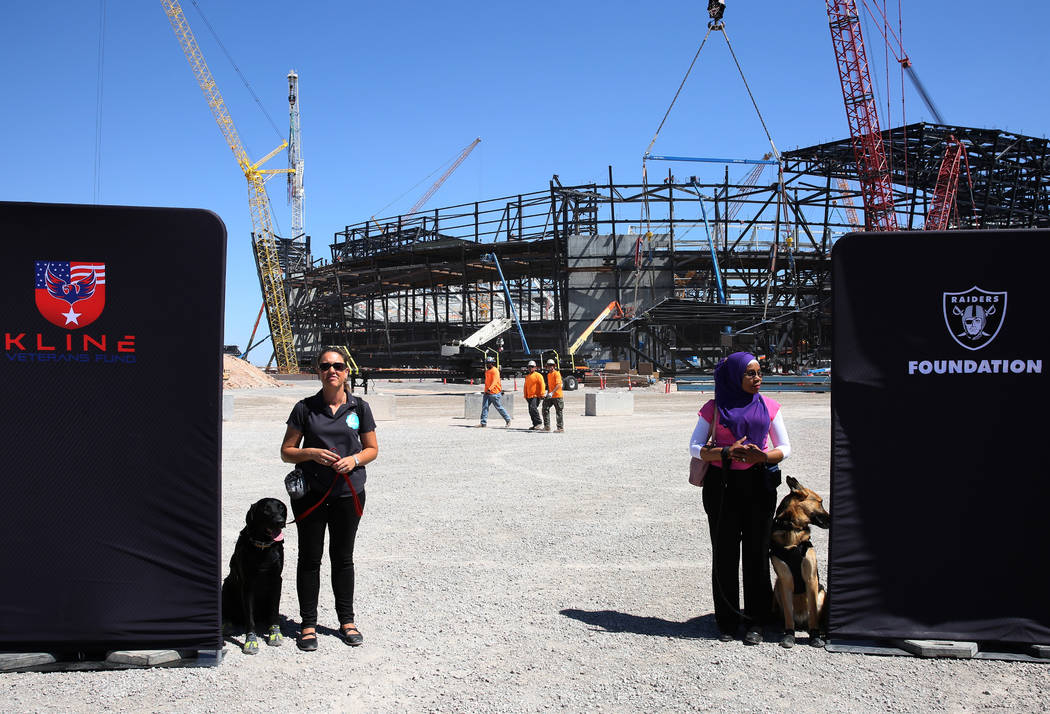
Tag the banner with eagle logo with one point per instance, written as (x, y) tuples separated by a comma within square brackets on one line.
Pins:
[(70, 294)]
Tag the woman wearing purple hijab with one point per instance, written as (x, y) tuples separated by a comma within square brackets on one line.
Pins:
[(740, 491)]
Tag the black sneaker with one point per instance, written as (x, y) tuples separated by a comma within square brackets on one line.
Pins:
[(753, 636)]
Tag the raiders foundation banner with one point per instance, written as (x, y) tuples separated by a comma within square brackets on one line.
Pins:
[(939, 403), (111, 378)]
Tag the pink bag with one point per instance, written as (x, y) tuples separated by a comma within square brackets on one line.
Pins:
[(698, 467)]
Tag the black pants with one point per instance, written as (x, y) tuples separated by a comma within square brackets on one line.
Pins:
[(739, 508), (339, 517), (534, 410)]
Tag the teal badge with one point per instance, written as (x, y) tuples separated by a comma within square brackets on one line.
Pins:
[(352, 421)]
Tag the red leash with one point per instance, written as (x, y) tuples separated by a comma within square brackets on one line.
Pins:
[(357, 501)]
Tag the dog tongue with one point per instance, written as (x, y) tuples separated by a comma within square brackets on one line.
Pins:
[(279, 537)]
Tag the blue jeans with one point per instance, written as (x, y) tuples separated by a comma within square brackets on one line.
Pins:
[(497, 400)]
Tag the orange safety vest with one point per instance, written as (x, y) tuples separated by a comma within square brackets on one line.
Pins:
[(554, 383), (534, 385), (492, 383)]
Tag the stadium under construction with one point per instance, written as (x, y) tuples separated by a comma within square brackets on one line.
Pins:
[(699, 269)]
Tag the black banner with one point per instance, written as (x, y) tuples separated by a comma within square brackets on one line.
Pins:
[(939, 398), (111, 379)]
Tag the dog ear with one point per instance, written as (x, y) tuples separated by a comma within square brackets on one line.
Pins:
[(250, 515), (793, 483)]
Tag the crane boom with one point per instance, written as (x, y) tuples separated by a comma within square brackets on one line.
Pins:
[(264, 244), (946, 189), (437, 184), (609, 309), (866, 137)]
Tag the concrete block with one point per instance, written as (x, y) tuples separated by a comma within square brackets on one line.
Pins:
[(1041, 651), (609, 404), (227, 407), (384, 406), (472, 406), (143, 658), (940, 648), (17, 660)]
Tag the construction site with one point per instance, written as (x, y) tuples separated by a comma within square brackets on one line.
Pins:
[(668, 271)]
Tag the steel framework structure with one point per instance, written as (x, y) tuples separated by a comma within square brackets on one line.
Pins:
[(396, 289)]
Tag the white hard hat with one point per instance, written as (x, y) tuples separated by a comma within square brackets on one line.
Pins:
[(550, 361), (531, 364)]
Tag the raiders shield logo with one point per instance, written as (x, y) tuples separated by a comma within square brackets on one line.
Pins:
[(974, 317)]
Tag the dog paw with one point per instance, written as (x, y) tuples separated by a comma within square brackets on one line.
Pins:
[(251, 644), (274, 638), (815, 640), (788, 640)]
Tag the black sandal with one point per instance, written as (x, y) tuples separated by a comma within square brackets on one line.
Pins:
[(307, 641), (351, 635)]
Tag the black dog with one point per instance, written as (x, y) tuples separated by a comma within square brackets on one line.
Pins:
[(251, 593)]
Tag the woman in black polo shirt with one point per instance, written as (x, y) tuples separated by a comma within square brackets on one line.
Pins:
[(332, 435)]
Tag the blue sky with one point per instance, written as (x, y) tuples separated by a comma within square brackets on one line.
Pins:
[(391, 91)]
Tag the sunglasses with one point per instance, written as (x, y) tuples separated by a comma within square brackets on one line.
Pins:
[(753, 373), (337, 366)]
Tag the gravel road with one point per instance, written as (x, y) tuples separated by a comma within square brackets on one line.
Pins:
[(504, 570)]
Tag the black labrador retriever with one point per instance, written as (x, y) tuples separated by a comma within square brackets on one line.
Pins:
[(251, 593)]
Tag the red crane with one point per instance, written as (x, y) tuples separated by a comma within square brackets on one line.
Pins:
[(947, 185), (866, 137)]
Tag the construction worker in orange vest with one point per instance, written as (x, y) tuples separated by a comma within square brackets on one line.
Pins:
[(553, 397), (493, 392), (534, 389)]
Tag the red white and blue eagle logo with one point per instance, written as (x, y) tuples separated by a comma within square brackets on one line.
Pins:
[(70, 294)]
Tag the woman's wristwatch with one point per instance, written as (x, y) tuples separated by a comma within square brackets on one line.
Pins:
[(356, 461)]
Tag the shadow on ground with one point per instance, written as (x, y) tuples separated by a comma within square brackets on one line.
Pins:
[(702, 627)]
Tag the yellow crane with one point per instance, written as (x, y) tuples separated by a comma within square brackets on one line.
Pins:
[(263, 242)]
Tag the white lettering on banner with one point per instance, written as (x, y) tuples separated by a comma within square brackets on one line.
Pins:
[(973, 298), (970, 366)]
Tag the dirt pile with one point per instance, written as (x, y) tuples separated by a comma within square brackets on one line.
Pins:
[(243, 374)]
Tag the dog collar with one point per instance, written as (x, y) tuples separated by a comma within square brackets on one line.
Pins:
[(266, 544)]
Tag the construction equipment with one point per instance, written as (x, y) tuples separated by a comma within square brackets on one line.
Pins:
[(295, 157), (492, 258), (264, 243), (851, 212), (859, 98), (488, 332), (437, 184), (613, 309), (947, 186)]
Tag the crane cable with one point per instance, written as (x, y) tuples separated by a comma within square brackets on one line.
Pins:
[(645, 182), (97, 184), (720, 26), (776, 154), (237, 69), (244, 80)]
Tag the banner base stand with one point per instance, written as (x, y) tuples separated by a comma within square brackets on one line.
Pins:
[(940, 649), (122, 659)]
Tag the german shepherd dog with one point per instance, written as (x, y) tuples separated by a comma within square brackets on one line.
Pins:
[(798, 592), (251, 593)]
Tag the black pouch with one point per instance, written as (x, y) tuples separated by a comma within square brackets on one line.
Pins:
[(295, 484)]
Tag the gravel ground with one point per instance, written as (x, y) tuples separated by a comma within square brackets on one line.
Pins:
[(503, 570)]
